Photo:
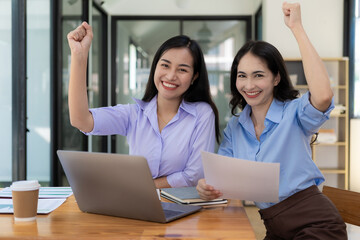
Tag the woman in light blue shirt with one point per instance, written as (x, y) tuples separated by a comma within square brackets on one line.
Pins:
[(170, 126), (276, 126)]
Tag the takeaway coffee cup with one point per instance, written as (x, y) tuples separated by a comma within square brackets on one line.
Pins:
[(25, 196)]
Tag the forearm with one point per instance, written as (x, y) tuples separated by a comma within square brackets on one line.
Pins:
[(315, 72), (80, 117), (161, 182)]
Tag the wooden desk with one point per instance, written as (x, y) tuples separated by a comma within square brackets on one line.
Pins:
[(68, 222)]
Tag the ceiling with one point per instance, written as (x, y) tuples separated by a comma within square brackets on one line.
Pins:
[(142, 32), (180, 7)]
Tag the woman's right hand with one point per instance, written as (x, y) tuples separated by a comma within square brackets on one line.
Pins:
[(79, 42), (207, 192), (80, 39), (292, 15)]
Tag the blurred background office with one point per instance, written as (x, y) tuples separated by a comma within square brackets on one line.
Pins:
[(34, 63)]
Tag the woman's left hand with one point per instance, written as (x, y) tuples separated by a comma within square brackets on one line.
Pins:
[(207, 192)]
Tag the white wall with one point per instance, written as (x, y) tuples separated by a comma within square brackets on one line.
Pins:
[(322, 19), (355, 155)]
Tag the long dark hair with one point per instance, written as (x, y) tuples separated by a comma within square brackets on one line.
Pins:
[(275, 62), (199, 91)]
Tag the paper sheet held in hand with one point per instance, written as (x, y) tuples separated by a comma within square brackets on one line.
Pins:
[(242, 179)]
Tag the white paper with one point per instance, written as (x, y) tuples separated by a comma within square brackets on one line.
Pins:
[(242, 179), (158, 193), (44, 192), (45, 206)]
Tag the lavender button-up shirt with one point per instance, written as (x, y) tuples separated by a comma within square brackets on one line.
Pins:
[(175, 152)]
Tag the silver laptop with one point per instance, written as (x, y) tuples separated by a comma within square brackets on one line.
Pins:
[(117, 185)]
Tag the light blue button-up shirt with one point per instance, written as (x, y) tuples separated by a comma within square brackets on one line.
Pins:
[(289, 127), (175, 152)]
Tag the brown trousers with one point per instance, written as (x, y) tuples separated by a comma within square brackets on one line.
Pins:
[(307, 214)]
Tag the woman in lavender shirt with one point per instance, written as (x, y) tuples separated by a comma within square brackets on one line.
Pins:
[(175, 120)]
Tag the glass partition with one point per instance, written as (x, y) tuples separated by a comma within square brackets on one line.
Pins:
[(5, 93), (71, 17), (220, 41), (136, 44), (69, 137), (72, 139), (98, 78), (38, 90)]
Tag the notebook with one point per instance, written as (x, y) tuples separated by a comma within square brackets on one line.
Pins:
[(188, 195), (117, 185)]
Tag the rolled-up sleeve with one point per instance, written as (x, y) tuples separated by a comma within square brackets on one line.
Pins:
[(311, 118), (111, 120)]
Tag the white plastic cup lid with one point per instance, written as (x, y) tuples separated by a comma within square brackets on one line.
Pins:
[(25, 185)]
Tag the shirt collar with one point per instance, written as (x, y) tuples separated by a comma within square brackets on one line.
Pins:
[(273, 115), (188, 107), (149, 107), (245, 115), (276, 107)]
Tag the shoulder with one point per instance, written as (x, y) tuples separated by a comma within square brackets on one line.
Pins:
[(197, 109), (298, 104), (232, 127), (123, 108), (203, 107), (233, 121), (141, 105), (131, 110)]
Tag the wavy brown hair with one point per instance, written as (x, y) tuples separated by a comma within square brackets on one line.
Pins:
[(274, 61)]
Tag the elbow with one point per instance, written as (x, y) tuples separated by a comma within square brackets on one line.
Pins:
[(327, 98), (323, 102), (83, 122), (75, 123), (79, 125)]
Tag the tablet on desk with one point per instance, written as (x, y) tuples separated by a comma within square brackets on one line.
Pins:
[(118, 185)]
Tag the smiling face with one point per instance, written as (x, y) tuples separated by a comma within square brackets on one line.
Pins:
[(255, 82), (174, 73)]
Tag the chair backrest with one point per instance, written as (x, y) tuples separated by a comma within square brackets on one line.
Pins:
[(347, 202)]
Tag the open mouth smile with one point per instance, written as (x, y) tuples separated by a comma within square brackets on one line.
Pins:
[(169, 86), (252, 94)]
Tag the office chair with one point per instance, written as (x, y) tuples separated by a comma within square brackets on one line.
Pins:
[(347, 202)]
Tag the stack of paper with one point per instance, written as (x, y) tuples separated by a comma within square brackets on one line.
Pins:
[(50, 198)]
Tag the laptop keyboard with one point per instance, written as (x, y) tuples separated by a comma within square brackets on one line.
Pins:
[(171, 213)]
